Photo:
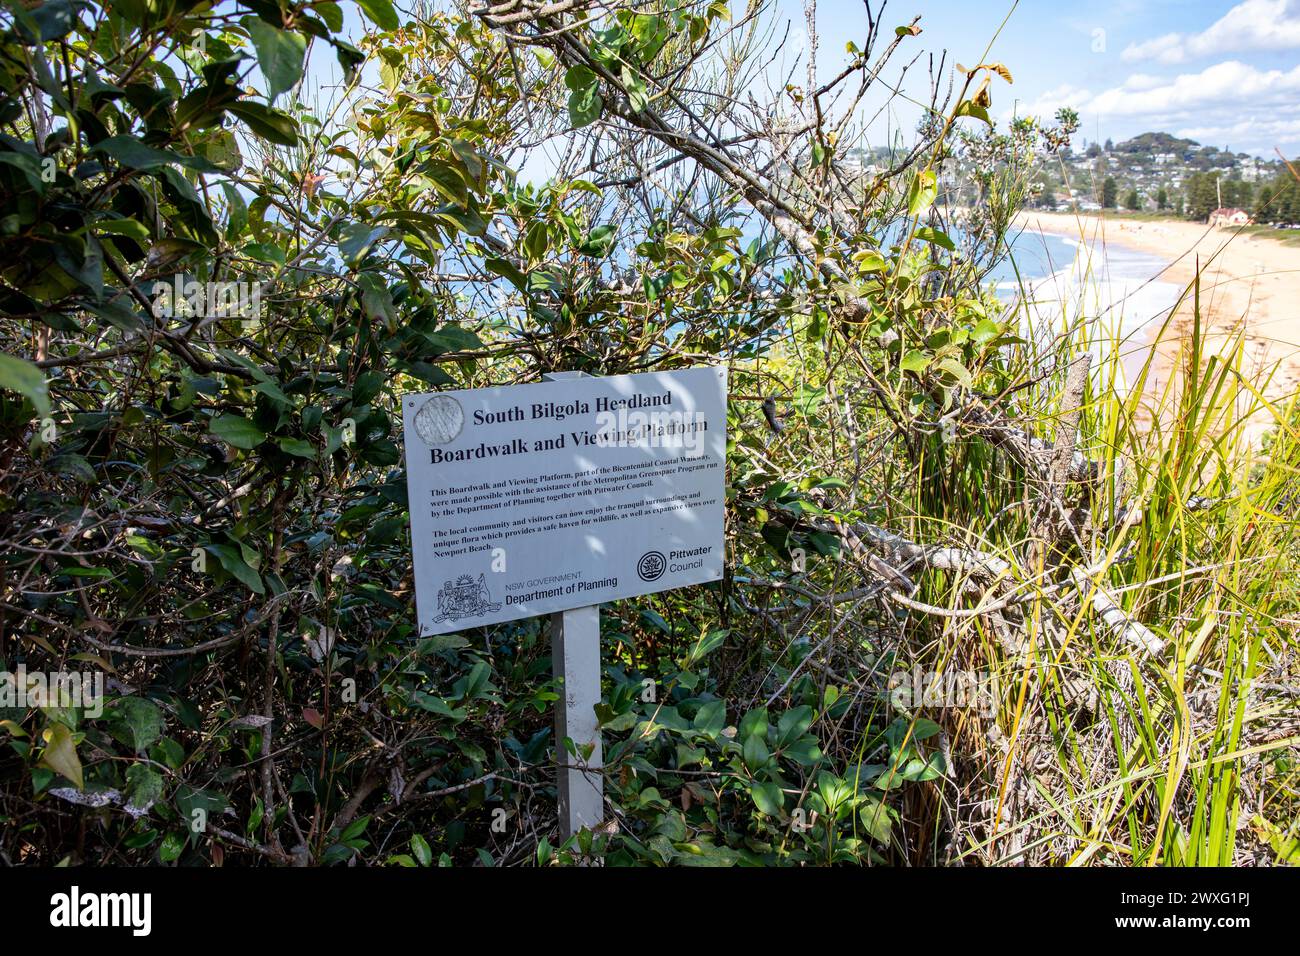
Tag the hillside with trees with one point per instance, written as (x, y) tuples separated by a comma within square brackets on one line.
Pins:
[(1166, 174)]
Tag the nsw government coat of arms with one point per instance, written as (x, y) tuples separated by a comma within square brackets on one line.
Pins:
[(464, 597)]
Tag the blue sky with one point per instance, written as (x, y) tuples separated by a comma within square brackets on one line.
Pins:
[(1222, 73)]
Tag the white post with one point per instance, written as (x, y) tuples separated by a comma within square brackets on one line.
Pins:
[(575, 661), (575, 656)]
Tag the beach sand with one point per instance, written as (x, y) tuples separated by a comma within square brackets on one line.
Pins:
[(1250, 291)]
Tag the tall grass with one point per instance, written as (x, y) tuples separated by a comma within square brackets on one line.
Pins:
[(1100, 752)]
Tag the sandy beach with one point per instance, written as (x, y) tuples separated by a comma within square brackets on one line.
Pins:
[(1250, 289)]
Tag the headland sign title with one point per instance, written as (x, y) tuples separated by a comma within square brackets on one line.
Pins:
[(629, 421)]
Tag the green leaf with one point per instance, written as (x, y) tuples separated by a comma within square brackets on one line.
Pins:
[(941, 239), (585, 102), (273, 391), (754, 722), (238, 431), (232, 560), (793, 723), (130, 152), (21, 376), (804, 751), (711, 718), (578, 78), (708, 642), (923, 729), (585, 107), (280, 54), (189, 800), (969, 108), (768, 798), (270, 124), (638, 96), (354, 829), (504, 267), (956, 370), (53, 19), (28, 166), (349, 57), (296, 446), (870, 261), (366, 387), (144, 786), (931, 768), (117, 314), (915, 361), (755, 752), (624, 721), (136, 721), (651, 32), (60, 754), (986, 330), (420, 848), (875, 817), (131, 228), (599, 241), (608, 44), (172, 846), (331, 13), (922, 193), (356, 239), (381, 13)]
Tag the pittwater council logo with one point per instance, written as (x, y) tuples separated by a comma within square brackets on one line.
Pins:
[(650, 566), (463, 598), (439, 420)]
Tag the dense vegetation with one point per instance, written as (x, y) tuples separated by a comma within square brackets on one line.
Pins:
[(209, 505), (1278, 202)]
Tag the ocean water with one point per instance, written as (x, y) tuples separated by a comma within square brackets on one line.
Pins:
[(1034, 255), (1121, 294)]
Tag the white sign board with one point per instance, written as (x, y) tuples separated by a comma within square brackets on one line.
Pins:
[(530, 499)]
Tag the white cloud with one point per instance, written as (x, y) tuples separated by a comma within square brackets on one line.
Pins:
[(1251, 25), (1228, 84), (1227, 103), (1143, 81), (1165, 49), (1046, 105), (1279, 131), (1231, 82)]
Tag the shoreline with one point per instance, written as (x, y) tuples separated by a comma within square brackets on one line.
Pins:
[(1249, 290)]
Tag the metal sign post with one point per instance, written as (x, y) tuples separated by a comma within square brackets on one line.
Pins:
[(575, 661)]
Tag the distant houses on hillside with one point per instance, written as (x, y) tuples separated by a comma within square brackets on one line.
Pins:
[(1161, 173), (1151, 173), (1229, 217)]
